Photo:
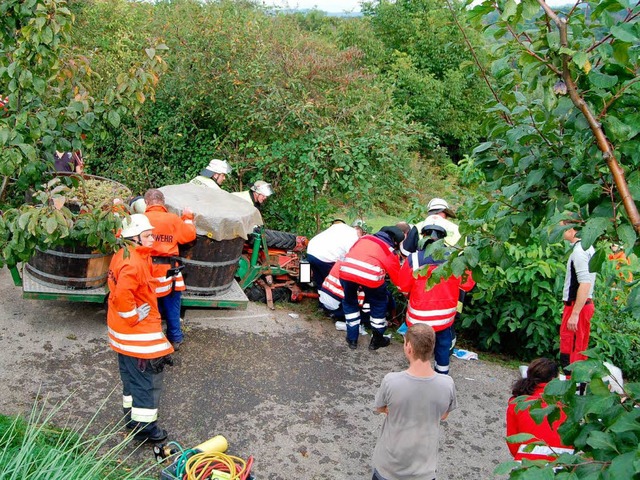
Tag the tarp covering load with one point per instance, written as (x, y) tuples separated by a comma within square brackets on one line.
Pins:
[(219, 215)]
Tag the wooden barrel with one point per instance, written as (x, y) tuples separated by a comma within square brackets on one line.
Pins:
[(210, 265), (70, 267)]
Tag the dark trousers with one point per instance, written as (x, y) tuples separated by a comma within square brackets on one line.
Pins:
[(319, 269), (378, 300), (141, 390)]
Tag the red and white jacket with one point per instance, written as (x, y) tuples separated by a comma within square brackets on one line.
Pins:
[(521, 422), (169, 230), (130, 286), (437, 306), (368, 261), (333, 287)]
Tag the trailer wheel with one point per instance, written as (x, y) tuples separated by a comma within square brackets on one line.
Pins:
[(256, 293), (281, 240)]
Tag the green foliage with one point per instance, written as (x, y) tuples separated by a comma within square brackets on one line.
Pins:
[(516, 306), (430, 68), (278, 103), (60, 216), (51, 108), (34, 448), (539, 159), (603, 427)]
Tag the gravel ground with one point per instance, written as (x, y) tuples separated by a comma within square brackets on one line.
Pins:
[(279, 385)]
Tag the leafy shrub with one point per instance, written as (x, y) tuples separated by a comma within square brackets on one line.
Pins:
[(517, 308)]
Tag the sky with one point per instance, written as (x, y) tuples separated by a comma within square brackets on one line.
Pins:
[(338, 6)]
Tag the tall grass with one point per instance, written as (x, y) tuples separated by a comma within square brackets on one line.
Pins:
[(33, 448)]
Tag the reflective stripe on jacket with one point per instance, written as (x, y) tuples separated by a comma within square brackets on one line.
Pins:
[(169, 230), (368, 261), (333, 287), (437, 306), (130, 286)]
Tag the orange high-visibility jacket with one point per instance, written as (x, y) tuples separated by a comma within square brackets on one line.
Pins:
[(368, 261), (130, 286), (169, 230), (437, 306)]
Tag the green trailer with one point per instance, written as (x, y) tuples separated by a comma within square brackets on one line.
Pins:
[(233, 298)]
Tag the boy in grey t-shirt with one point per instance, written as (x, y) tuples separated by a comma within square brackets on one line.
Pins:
[(415, 401)]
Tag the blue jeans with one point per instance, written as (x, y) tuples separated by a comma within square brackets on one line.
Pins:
[(169, 307), (443, 349)]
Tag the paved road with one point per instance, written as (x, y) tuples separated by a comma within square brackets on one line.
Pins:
[(286, 390)]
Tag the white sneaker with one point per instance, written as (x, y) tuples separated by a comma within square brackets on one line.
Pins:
[(363, 331), (342, 326)]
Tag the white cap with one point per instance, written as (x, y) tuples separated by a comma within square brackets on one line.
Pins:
[(262, 187), (437, 205), (216, 166), (135, 225)]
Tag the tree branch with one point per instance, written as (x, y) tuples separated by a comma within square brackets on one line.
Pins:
[(596, 128)]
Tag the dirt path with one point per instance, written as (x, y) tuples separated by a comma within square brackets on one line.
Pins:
[(286, 390)]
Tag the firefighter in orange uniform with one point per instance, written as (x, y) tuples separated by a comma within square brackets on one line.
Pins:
[(365, 266), (169, 231), (135, 330)]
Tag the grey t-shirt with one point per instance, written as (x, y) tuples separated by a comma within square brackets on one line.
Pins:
[(408, 445)]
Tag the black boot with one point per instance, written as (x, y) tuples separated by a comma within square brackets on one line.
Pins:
[(378, 341), (353, 344)]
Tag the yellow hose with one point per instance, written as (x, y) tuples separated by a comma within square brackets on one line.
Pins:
[(197, 467)]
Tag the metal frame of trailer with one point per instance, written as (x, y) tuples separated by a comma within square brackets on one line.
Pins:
[(234, 297)]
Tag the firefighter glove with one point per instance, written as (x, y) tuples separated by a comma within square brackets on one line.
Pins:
[(143, 311)]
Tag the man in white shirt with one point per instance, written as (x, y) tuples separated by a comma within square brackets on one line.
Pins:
[(329, 246)]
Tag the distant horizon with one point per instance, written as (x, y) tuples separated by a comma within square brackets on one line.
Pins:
[(348, 6)]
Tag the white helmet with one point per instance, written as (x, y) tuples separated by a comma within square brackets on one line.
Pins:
[(216, 166), (262, 187), (135, 225), (437, 205), (138, 205)]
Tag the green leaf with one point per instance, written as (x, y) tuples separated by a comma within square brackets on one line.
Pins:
[(530, 9), (482, 147), (625, 32), (506, 467), (520, 438), (627, 422), (586, 193), (596, 262), (51, 225), (510, 9), (594, 227), (601, 80), (627, 235), (28, 151), (580, 58), (558, 388), (472, 255), (114, 118), (151, 52), (620, 130), (601, 441)]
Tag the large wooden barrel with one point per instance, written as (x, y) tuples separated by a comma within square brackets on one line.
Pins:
[(210, 265), (70, 267)]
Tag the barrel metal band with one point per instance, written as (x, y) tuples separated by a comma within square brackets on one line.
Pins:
[(34, 270), (74, 255), (188, 261)]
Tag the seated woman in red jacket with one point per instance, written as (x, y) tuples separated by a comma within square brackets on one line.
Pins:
[(540, 372)]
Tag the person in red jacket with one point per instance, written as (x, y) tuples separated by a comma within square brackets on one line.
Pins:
[(539, 373), (437, 306), (365, 266), (135, 330), (169, 231)]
